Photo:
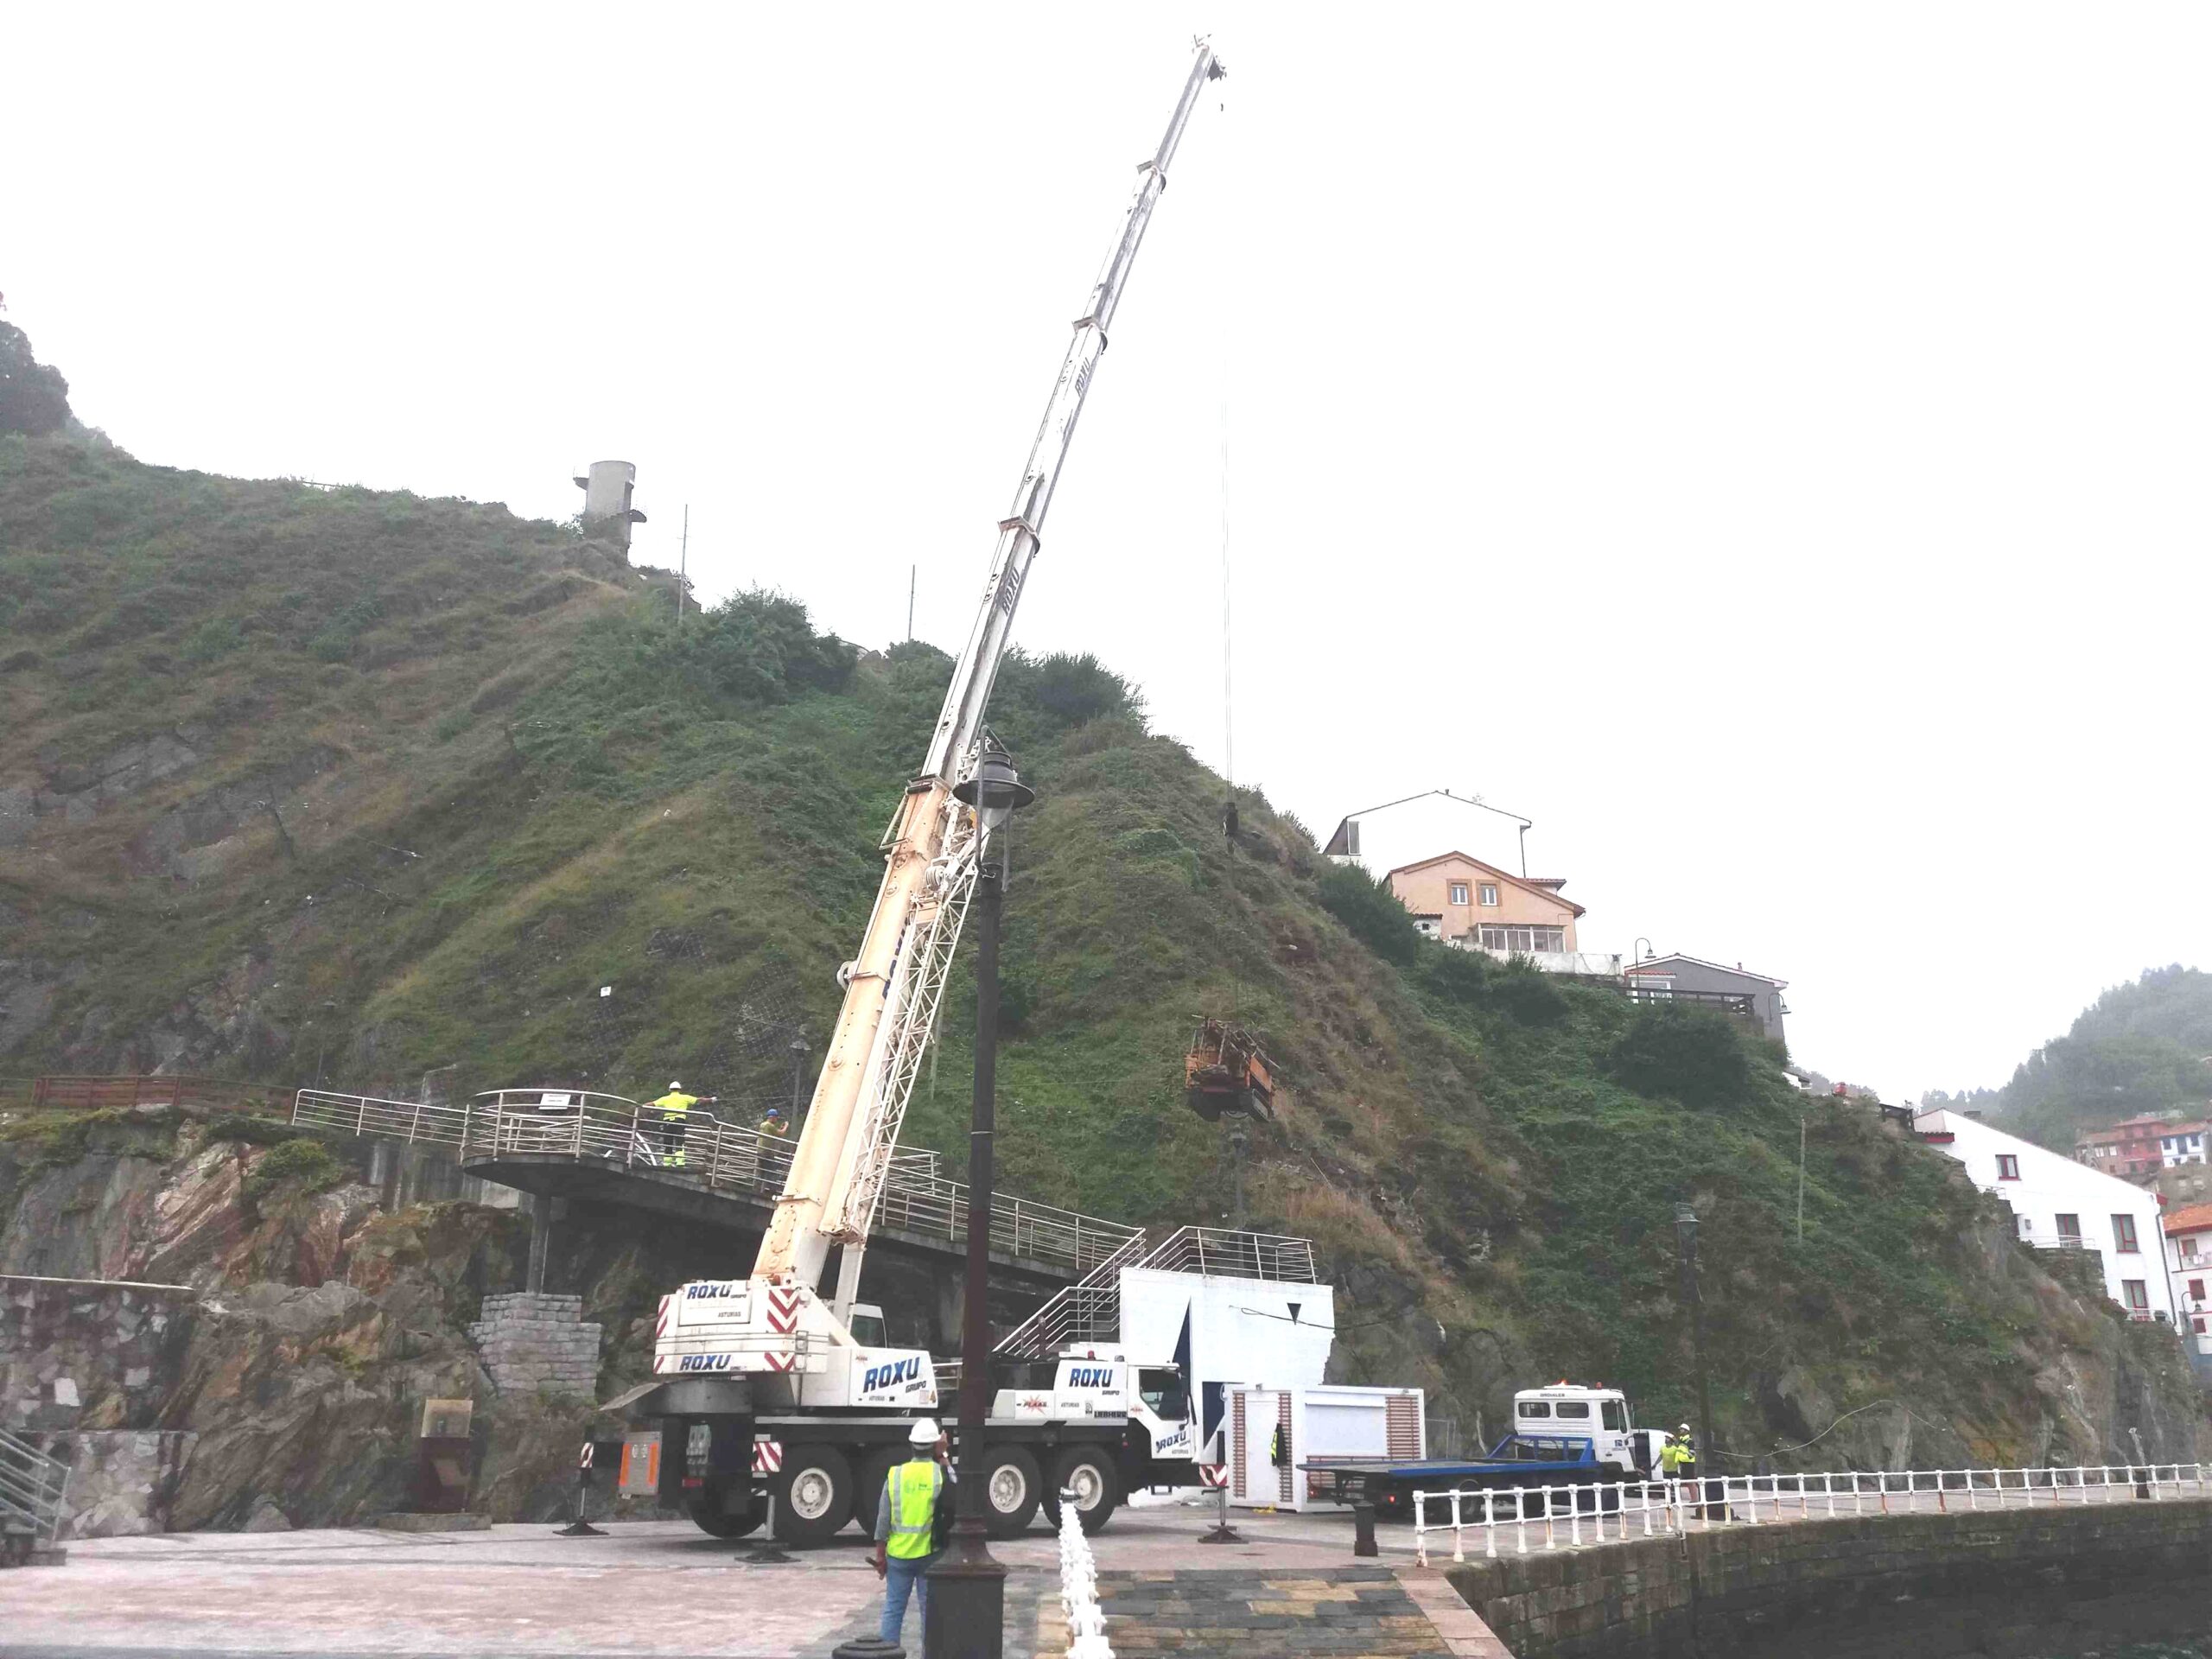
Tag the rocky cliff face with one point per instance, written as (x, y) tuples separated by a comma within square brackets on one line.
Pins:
[(281, 1381)]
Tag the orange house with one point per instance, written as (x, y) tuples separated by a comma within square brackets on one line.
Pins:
[(1455, 896)]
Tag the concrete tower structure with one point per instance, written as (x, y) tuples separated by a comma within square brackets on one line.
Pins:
[(608, 512)]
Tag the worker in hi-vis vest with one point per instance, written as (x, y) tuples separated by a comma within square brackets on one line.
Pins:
[(674, 1108), (915, 1494)]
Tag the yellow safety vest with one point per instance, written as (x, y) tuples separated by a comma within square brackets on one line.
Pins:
[(675, 1105), (913, 1489), (1670, 1457)]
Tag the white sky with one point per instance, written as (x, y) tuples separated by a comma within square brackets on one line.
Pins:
[(1765, 445)]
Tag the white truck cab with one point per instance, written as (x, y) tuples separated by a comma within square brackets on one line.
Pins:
[(1565, 1417)]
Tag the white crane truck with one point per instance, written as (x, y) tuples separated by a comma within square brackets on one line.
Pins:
[(769, 1358)]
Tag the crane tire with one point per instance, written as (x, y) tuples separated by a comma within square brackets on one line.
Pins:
[(814, 1494), (707, 1515), (1012, 1487), (1089, 1471)]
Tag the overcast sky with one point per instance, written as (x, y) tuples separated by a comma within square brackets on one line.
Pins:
[(1766, 446)]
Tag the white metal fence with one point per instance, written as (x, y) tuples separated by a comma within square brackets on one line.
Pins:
[(1531, 1518), (33, 1489), (1079, 1588), (609, 1130)]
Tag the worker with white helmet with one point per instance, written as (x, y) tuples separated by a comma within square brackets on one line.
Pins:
[(907, 1511), (674, 1108)]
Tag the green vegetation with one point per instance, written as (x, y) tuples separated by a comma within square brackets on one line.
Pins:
[(365, 785), (33, 398), (2142, 1047), (297, 1168)]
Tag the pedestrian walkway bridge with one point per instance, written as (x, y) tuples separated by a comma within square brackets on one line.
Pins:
[(603, 1148)]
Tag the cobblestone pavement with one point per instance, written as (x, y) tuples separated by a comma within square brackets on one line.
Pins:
[(653, 1588)]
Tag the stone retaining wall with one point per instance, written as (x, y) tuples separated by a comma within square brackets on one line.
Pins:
[(79, 1353), (534, 1343), (2044, 1581)]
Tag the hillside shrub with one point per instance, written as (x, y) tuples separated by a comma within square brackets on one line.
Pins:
[(1691, 1054), (1372, 913), (297, 1167)]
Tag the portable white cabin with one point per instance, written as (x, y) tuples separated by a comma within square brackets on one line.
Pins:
[(1324, 1421)]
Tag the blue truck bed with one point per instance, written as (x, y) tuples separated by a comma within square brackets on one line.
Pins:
[(1517, 1461)]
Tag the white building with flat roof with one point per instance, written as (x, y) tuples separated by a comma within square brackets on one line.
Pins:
[(2060, 1204)]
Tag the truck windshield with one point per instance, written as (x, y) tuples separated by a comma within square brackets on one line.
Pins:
[(1616, 1414), (867, 1329)]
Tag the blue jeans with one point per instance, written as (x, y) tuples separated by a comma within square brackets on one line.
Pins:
[(899, 1578)]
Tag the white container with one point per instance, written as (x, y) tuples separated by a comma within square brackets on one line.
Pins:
[(1323, 1420)]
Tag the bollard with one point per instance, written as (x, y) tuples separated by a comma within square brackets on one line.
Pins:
[(580, 1527), (868, 1647), (1362, 1527)]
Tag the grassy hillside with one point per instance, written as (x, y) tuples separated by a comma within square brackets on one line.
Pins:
[(355, 786), (2145, 1046)]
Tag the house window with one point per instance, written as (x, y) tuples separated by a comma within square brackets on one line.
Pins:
[(1459, 892), (1496, 936), (1490, 892), (2069, 1231), (2138, 1294), (2189, 1248), (2008, 1167), (2196, 1290), (2199, 1324), (2123, 1235), (2026, 1226)]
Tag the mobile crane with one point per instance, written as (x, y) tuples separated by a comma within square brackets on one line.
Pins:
[(768, 1356)]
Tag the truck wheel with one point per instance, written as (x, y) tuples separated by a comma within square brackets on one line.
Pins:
[(875, 1474), (1011, 1489), (814, 1494), (1088, 1473), (706, 1515)]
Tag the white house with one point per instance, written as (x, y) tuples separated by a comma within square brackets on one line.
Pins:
[(1380, 839), (2060, 1204), (2188, 1258), (2181, 1144)]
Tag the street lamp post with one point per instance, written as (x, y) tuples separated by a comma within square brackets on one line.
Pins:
[(967, 1585), (1686, 1239)]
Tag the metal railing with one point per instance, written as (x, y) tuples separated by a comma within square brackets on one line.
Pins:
[(33, 1487), (107, 1093), (1570, 1516), (609, 1130), (1741, 1004), (1088, 1310), (1218, 1251)]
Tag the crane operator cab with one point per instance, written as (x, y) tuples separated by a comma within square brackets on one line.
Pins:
[(1226, 1075)]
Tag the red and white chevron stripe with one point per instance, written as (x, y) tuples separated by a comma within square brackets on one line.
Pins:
[(781, 1362), (767, 1456), (660, 1320), (783, 1308)]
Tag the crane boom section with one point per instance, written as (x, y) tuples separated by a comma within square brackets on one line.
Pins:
[(931, 849)]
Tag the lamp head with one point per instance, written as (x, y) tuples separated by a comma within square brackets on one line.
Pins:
[(994, 789)]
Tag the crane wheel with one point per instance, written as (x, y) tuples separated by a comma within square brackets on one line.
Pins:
[(1012, 1488), (707, 1515), (1089, 1474), (814, 1494)]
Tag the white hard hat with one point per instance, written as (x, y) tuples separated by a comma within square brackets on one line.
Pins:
[(1684, 1429), (923, 1432), (673, 1083)]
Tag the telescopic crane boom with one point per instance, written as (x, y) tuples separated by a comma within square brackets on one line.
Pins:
[(934, 844)]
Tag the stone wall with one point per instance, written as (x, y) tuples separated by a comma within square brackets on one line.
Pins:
[(2046, 1581), (533, 1343), (86, 1354), (85, 1367)]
